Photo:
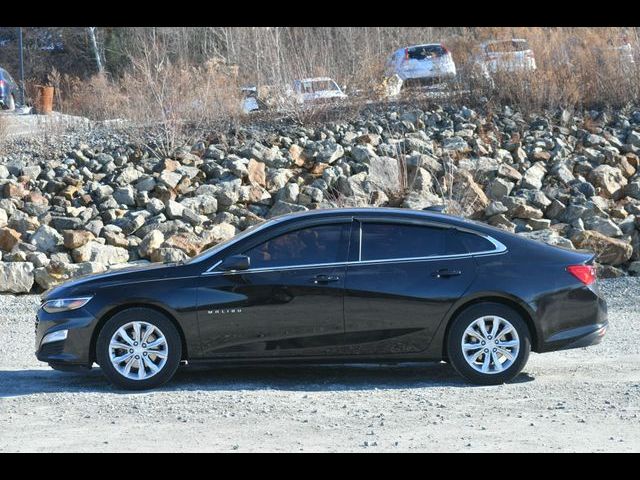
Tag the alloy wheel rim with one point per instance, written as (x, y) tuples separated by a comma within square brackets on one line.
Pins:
[(490, 344), (138, 350)]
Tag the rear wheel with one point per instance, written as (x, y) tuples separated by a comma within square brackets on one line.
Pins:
[(139, 349), (489, 343)]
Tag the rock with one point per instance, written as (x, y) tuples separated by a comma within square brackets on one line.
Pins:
[(610, 251), (384, 172), (151, 241), (8, 238), (103, 254), (168, 255), (173, 209), (283, 208), (3, 218), (289, 193), (124, 196), (256, 173), (495, 208), (499, 188), (16, 277), (468, 194), (609, 179), (634, 268), (170, 179), (46, 239), (533, 176), (603, 225), (548, 236)]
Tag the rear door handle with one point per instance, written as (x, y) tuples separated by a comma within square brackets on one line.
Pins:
[(445, 272), (325, 279)]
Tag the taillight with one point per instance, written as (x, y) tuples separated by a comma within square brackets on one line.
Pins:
[(585, 273), (2, 83), (406, 54), (444, 49)]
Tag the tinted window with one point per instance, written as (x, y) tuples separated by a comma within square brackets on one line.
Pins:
[(388, 240), (475, 243), (319, 244), (426, 51)]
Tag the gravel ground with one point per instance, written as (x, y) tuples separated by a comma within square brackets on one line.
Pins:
[(577, 400)]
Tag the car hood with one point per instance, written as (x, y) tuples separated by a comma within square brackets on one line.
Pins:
[(86, 284)]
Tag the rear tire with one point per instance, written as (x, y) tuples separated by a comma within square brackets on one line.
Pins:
[(139, 339), (506, 347)]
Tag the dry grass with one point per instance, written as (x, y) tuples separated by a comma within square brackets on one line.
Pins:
[(577, 68)]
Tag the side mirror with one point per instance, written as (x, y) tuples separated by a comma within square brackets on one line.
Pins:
[(235, 262)]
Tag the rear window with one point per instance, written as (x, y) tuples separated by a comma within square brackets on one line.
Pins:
[(475, 243), (426, 51), (319, 86), (382, 241), (508, 46)]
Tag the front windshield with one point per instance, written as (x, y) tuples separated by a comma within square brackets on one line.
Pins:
[(216, 248)]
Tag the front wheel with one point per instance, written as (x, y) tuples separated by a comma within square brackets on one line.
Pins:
[(139, 349), (11, 103), (488, 343)]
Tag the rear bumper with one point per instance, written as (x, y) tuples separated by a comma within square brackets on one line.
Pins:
[(577, 337), (576, 318)]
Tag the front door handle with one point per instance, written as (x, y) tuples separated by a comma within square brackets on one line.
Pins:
[(321, 279), (445, 272)]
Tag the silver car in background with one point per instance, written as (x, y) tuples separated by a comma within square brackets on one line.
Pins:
[(512, 55), (421, 65)]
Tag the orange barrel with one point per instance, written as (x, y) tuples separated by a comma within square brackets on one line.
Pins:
[(44, 99)]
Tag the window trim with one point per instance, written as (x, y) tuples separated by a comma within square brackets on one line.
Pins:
[(500, 248)]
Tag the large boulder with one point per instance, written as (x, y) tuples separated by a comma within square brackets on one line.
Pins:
[(103, 254), (16, 277), (609, 251), (609, 179)]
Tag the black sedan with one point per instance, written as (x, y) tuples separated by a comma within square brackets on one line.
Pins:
[(344, 285)]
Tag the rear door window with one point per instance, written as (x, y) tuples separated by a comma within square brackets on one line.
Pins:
[(383, 241)]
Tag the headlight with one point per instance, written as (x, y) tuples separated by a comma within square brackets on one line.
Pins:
[(65, 304)]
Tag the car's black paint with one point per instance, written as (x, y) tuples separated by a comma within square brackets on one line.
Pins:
[(388, 310)]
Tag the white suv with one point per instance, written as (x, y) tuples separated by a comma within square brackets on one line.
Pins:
[(513, 55), (422, 64)]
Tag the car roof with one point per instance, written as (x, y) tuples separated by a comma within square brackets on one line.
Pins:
[(315, 79), (383, 211), (502, 40)]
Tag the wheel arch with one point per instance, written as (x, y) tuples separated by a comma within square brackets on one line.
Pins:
[(120, 308), (518, 305)]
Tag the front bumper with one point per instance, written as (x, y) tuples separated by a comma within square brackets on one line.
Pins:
[(75, 349)]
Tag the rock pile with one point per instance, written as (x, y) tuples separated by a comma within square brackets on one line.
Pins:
[(567, 180)]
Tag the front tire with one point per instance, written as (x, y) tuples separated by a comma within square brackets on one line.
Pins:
[(139, 349), (488, 343), (11, 104)]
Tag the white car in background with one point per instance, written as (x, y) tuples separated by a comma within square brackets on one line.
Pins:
[(513, 55), (422, 64), (316, 90)]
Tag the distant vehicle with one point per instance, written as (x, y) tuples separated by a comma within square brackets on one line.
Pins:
[(316, 90), (512, 55), (420, 65), (623, 50), (8, 91), (250, 102)]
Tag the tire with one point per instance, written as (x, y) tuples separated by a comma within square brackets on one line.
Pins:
[(11, 105), (165, 355), (517, 343)]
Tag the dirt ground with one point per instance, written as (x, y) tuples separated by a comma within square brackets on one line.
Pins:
[(576, 400)]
